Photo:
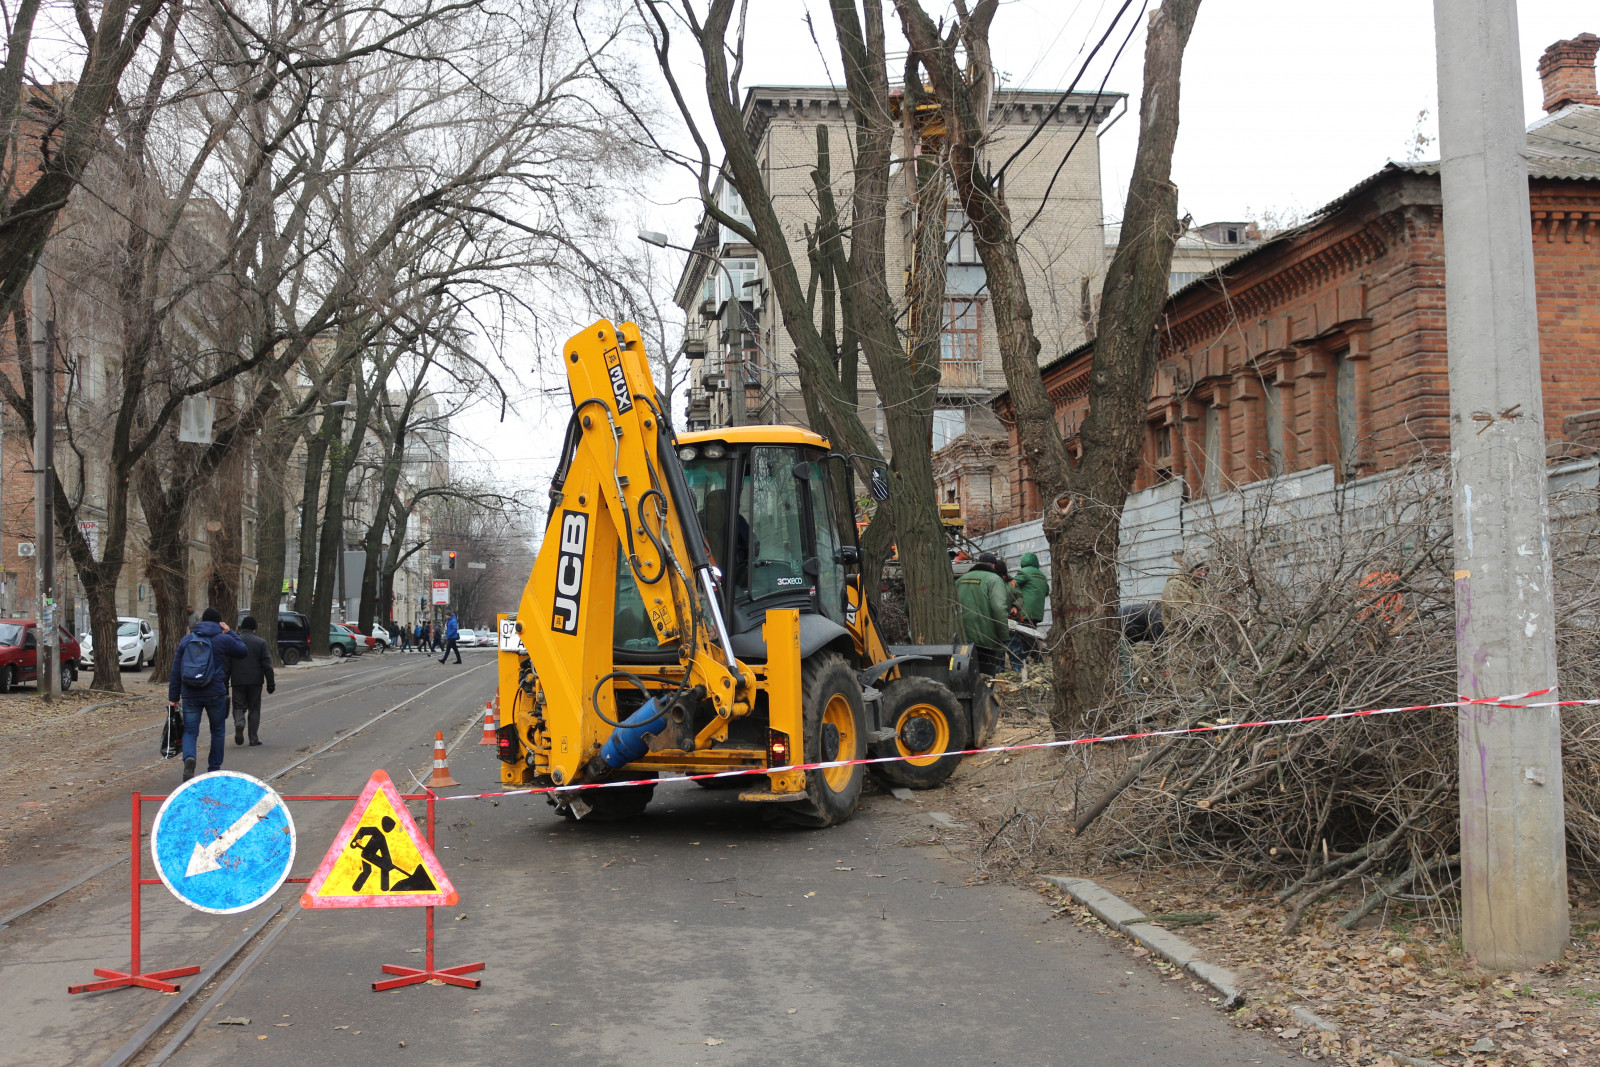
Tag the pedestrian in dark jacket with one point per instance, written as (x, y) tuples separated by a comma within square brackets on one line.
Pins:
[(245, 678), (1030, 589), (451, 632), (403, 636), (984, 599), (207, 694)]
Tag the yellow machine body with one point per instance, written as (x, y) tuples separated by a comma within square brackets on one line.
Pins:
[(624, 550)]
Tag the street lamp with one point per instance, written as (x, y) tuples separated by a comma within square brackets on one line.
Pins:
[(737, 406)]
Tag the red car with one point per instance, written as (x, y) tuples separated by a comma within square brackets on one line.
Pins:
[(368, 639), (19, 654)]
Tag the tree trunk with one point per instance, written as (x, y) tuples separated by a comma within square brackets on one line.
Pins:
[(329, 546), (310, 504), (168, 567), (1084, 503), (225, 533), (1083, 527), (271, 545)]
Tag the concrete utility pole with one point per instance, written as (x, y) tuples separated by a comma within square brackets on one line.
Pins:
[(47, 657), (1513, 844)]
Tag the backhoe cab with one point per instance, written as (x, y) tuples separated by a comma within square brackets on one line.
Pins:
[(694, 609)]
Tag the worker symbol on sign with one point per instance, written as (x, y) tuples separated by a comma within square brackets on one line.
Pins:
[(374, 845), (379, 858)]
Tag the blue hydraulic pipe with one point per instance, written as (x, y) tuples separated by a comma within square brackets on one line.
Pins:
[(627, 742)]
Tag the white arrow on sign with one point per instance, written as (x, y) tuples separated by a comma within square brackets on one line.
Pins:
[(205, 857)]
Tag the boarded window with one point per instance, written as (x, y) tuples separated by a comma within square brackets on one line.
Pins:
[(1345, 411), (1273, 405), (1211, 475)]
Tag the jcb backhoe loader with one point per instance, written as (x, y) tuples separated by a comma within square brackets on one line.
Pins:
[(693, 609)]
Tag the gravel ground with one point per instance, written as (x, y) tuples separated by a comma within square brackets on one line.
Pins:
[(1398, 989)]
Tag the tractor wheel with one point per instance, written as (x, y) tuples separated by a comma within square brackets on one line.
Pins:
[(604, 805), (929, 726), (835, 729)]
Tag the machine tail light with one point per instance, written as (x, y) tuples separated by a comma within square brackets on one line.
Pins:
[(507, 745), (777, 749)]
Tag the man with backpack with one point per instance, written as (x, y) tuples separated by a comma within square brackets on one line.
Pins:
[(200, 680), (451, 632)]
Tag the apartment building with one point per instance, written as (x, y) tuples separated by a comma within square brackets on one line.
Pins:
[(743, 358)]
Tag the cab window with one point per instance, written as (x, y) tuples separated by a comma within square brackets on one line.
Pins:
[(771, 527)]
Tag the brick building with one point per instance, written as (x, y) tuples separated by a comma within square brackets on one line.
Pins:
[(1325, 346)]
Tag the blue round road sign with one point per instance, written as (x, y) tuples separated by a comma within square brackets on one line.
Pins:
[(223, 842)]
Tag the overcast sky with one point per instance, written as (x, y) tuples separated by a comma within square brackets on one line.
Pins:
[(1284, 107)]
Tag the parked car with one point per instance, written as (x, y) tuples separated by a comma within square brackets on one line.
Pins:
[(136, 643), (487, 639), (343, 641), (294, 636), (19, 654), (381, 636), (466, 638), (365, 640)]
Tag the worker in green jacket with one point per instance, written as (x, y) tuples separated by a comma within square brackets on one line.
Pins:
[(1030, 589), (984, 598)]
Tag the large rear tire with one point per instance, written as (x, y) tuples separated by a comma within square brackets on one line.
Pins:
[(605, 805), (835, 729), (929, 725)]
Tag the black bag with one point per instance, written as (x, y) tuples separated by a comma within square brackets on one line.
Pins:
[(172, 733)]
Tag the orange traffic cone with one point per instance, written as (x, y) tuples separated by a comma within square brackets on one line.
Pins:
[(489, 724), (441, 764)]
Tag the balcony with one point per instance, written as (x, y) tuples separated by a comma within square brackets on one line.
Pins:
[(961, 373)]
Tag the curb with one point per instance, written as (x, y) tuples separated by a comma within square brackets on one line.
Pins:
[(1117, 913), (112, 704)]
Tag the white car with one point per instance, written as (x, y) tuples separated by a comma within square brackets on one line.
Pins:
[(382, 635), (466, 638), (136, 643), (487, 639)]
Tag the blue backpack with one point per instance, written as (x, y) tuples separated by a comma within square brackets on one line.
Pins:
[(195, 662)]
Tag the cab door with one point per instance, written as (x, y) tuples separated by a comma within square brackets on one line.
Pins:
[(28, 665)]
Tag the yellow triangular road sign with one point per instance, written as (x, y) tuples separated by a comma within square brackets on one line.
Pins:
[(379, 858)]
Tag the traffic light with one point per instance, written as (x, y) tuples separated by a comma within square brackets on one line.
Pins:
[(450, 558)]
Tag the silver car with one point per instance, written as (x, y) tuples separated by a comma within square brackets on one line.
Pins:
[(136, 643)]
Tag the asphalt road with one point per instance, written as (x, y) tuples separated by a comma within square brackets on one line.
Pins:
[(694, 935)]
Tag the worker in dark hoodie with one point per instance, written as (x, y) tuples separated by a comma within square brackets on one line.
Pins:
[(200, 682)]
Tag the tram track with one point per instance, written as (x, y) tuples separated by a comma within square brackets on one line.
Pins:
[(341, 737)]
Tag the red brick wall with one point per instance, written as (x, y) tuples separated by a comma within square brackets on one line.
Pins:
[(1366, 281)]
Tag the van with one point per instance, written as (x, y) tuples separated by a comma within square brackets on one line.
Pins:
[(294, 637)]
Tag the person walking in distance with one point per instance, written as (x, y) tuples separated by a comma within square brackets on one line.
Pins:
[(245, 678), (200, 681), (451, 632), (438, 637)]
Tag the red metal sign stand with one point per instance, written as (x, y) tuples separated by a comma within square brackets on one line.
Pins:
[(133, 976), (157, 980), (412, 976)]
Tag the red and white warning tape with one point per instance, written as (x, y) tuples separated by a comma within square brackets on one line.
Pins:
[(1503, 702)]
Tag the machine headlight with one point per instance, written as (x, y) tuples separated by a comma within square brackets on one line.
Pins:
[(686, 453), (715, 451)]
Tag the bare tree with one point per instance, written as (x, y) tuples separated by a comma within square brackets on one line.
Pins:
[(848, 264), (49, 135), (1084, 498)]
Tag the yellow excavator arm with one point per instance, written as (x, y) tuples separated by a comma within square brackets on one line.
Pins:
[(614, 494)]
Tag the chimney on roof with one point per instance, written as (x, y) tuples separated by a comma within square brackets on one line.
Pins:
[(1567, 71)]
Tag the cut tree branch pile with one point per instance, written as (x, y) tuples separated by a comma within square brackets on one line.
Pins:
[(1301, 615)]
